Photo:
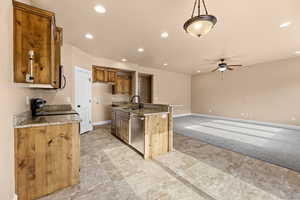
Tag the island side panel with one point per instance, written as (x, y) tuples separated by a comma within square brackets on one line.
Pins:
[(156, 135), (147, 138), (171, 148)]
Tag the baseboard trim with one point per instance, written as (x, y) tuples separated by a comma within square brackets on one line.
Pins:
[(293, 127), (101, 123), (182, 115), (15, 197)]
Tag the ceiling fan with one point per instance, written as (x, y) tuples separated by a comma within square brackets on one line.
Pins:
[(223, 66)]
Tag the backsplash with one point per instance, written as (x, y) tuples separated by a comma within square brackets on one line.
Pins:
[(120, 98)]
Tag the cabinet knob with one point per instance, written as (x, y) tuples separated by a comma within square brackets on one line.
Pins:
[(78, 106)]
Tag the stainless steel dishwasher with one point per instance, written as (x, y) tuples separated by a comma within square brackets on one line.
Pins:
[(137, 139)]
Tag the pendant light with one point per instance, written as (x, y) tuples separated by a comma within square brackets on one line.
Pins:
[(201, 24)]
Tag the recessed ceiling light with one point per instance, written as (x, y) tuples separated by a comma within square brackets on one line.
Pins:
[(100, 9), (124, 60), (297, 52), (285, 24), (166, 64), (141, 50), (89, 36), (198, 71), (164, 35)]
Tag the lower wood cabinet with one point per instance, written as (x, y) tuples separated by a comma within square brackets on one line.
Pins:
[(46, 159), (122, 123)]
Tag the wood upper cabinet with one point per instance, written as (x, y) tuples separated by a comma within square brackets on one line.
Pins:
[(104, 75), (35, 34), (123, 85), (111, 76)]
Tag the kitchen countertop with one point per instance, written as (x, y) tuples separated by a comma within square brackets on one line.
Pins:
[(47, 120), (50, 115), (141, 112)]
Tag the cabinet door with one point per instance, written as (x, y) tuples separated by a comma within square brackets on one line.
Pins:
[(118, 85), (58, 44), (127, 86), (111, 76), (99, 74), (123, 85), (33, 31), (46, 159)]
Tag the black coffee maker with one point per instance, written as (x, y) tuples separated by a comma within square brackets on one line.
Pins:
[(36, 104)]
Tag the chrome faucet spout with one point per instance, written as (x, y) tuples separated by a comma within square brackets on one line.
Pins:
[(135, 96)]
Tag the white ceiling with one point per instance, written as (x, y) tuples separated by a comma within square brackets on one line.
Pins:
[(246, 29)]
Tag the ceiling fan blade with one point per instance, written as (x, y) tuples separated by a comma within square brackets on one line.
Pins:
[(235, 65), (215, 69), (230, 68)]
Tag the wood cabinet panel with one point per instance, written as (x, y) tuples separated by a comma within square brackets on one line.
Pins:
[(104, 75), (46, 159), (58, 44), (123, 126), (123, 85), (156, 135), (111, 76), (34, 29)]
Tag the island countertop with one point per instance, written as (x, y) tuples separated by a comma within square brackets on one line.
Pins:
[(142, 112)]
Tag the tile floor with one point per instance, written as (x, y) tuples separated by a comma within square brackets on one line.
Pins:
[(110, 170)]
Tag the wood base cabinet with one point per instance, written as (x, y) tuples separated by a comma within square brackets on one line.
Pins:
[(46, 159), (151, 135), (122, 126)]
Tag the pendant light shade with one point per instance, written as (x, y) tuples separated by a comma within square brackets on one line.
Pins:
[(201, 24)]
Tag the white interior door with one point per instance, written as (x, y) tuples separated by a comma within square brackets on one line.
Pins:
[(83, 98)]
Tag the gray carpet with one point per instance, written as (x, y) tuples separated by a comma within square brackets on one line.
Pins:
[(279, 146)]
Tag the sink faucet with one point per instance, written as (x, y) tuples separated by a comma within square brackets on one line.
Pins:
[(138, 102), (135, 96)]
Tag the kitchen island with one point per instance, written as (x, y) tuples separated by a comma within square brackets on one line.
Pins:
[(147, 128)]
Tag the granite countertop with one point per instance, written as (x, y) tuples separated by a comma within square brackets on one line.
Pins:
[(50, 115), (47, 120), (121, 104), (141, 112)]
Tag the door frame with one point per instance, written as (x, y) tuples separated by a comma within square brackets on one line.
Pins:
[(76, 70), (152, 84)]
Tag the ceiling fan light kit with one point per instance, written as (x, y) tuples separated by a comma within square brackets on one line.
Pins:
[(202, 23), (223, 66)]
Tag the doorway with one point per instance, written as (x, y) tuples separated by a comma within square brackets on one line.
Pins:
[(83, 98), (145, 87)]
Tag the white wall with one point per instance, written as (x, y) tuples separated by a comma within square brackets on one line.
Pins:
[(267, 92), (169, 87)]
